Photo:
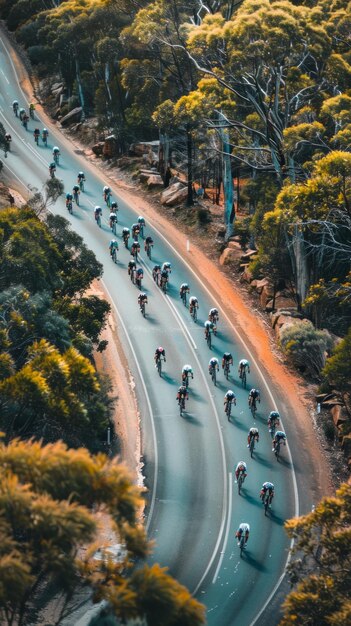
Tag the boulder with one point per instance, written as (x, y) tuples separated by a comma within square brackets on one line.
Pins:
[(155, 181), (281, 302), (280, 330), (246, 276), (282, 321), (56, 86), (247, 255), (174, 194), (73, 116), (339, 415), (110, 148), (253, 283), (328, 404), (289, 312), (144, 175), (98, 148), (142, 147), (221, 231), (229, 256), (234, 245), (266, 295), (263, 282)]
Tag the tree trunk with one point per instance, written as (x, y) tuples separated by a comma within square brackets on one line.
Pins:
[(189, 143), (228, 187), (80, 89), (301, 268)]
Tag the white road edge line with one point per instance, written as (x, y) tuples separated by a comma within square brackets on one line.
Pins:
[(230, 504)]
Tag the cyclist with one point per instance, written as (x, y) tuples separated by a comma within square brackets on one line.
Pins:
[(31, 110), (243, 364), (52, 169), (280, 437), (56, 154), (125, 236), (163, 279), (142, 299), (44, 136), (36, 134), (213, 315), (209, 327), (149, 242), (139, 276), (135, 230), (21, 114), (184, 289), (227, 360), (15, 107), (131, 268), (8, 140), (25, 120), (213, 363), (240, 469), (106, 192), (267, 487), (253, 434), (273, 421), (229, 397), (159, 354), (254, 396), (186, 372), (113, 247), (113, 218), (243, 529), (182, 393), (135, 248), (141, 222), (114, 206), (76, 192), (156, 271), (81, 180), (69, 199), (166, 267), (193, 302), (97, 213)]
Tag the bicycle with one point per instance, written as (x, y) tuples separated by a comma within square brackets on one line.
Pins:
[(56, 158), (243, 378), (70, 208), (114, 255), (214, 376), (113, 227), (228, 409), (253, 407), (266, 502), (142, 308), (159, 366), (185, 381), (209, 339), (194, 313), (241, 479), (148, 251), (226, 370), (277, 450), (252, 445), (272, 431), (164, 285), (98, 220), (181, 403), (81, 184), (125, 239), (132, 275), (76, 198), (242, 544), (184, 298), (107, 199)]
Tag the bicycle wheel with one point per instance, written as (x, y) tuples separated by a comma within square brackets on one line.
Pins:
[(266, 503), (252, 445), (240, 482), (243, 379), (208, 339), (277, 450), (159, 367), (253, 409), (143, 309), (242, 545), (214, 377), (228, 409), (226, 371), (99, 221)]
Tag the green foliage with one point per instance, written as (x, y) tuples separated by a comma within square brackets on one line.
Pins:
[(322, 595), (337, 369), (305, 346)]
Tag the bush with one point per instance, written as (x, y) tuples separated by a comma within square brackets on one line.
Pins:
[(255, 268), (338, 367), (305, 346), (203, 216), (329, 430)]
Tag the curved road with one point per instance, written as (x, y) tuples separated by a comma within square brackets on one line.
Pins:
[(194, 508)]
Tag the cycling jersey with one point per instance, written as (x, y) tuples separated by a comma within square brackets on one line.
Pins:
[(230, 395)]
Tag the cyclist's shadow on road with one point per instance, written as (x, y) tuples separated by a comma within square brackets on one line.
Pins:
[(169, 379), (276, 518), (250, 499), (262, 460), (235, 421), (250, 560), (191, 419)]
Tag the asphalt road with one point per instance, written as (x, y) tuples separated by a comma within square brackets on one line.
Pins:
[(194, 508)]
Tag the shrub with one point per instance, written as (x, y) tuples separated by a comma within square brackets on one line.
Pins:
[(203, 216), (305, 346), (338, 367), (329, 430), (255, 268)]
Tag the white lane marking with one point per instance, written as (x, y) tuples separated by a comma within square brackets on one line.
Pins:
[(230, 504), (15, 175), (190, 342), (5, 77), (25, 143), (14, 69)]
